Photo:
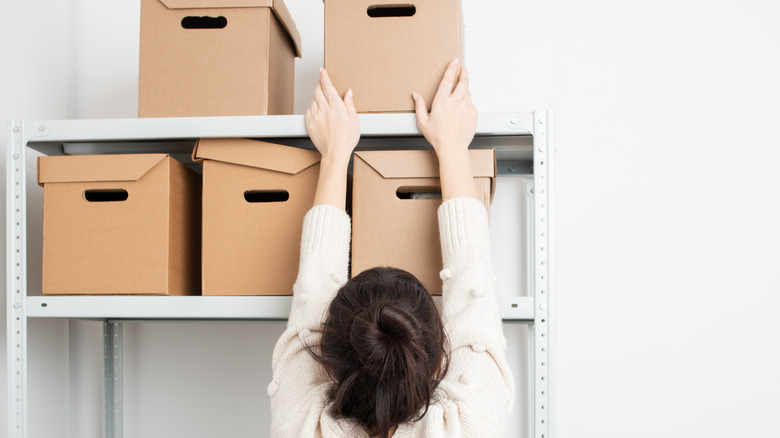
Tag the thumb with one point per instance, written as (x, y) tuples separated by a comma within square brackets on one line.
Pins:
[(350, 104), (420, 109)]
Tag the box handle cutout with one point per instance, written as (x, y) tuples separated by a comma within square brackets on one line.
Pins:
[(253, 196), (204, 22), (109, 195), (381, 11), (418, 193)]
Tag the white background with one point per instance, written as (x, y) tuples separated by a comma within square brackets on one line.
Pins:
[(667, 198)]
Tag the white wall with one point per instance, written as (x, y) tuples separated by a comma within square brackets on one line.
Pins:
[(667, 205)]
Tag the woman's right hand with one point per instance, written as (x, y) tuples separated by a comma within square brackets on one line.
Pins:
[(449, 128), (451, 125)]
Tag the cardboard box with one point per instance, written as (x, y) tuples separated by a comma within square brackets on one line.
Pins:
[(216, 58), (385, 58), (120, 224), (255, 195), (396, 195)]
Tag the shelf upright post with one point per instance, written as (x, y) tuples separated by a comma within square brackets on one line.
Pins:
[(543, 330), (16, 281), (112, 380)]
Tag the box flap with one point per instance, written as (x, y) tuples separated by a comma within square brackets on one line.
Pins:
[(278, 6), (90, 168), (280, 9), (423, 163), (254, 153)]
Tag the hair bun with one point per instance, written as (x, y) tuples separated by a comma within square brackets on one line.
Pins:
[(386, 338), (384, 345)]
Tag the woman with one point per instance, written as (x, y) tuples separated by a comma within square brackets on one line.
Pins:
[(369, 357)]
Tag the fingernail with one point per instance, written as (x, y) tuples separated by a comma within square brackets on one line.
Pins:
[(349, 93), (414, 95), (457, 60), (320, 69)]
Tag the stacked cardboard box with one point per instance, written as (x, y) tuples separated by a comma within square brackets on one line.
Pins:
[(120, 224), (216, 58), (255, 195), (384, 52)]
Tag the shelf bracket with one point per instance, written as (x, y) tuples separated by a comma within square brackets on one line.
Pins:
[(112, 380)]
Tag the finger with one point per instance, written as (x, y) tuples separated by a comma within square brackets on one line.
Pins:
[(448, 81), (319, 96), (327, 87), (349, 102), (463, 84), (421, 110)]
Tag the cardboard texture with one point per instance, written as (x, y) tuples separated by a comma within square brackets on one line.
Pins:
[(385, 58), (120, 224), (255, 195), (404, 233), (242, 63)]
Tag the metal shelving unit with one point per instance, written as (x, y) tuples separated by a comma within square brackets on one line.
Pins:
[(524, 148)]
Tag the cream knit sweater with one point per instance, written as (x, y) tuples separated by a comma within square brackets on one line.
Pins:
[(476, 396)]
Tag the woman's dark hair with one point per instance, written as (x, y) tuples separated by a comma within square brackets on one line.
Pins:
[(384, 345)]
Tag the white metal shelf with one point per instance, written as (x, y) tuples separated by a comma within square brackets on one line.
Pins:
[(382, 125), (508, 133), (523, 141), (519, 309)]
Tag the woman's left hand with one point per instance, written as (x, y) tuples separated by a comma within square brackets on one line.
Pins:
[(334, 128)]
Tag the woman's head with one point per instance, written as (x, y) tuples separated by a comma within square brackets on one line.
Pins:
[(384, 344)]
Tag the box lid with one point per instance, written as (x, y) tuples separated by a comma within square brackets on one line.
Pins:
[(278, 6), (91, 168), (424, 164), (255, 153)]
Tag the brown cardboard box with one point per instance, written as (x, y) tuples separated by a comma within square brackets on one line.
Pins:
[(396, 195), (385, 58), (255, 195), (120, 224), (244, 68)]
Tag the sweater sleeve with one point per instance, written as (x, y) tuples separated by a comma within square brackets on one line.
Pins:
[(469, 295), (478, 380), (323, 265), (299, 381)]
